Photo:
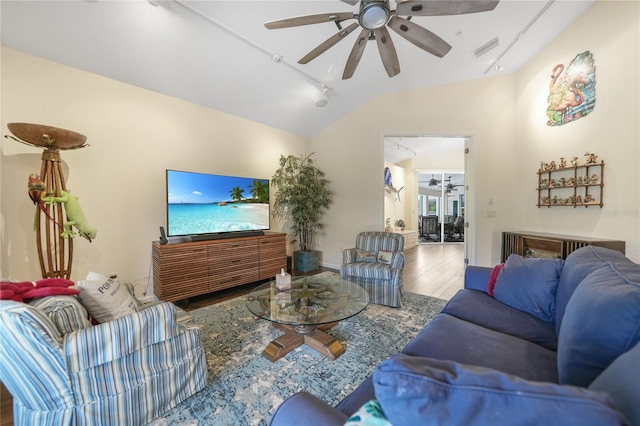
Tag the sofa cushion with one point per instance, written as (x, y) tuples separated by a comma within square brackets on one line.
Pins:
[(601, 321), (529, 285), (481, 309), (420, 391), (621, 381), (366, 270), (450, 338), (577, 266)]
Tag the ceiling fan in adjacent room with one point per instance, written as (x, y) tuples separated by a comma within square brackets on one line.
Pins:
[(374, 16), (450, 186)]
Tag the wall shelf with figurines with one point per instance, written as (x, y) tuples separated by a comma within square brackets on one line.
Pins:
[(574, 185)]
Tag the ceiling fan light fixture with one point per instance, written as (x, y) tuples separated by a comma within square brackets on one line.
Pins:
[(323, 100), (373, 14)]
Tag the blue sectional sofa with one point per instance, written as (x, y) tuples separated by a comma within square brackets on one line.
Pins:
[(556, 342)]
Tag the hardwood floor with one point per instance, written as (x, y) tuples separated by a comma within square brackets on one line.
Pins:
[(435, 270)]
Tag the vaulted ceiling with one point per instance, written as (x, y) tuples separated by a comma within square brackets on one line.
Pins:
[(220, 55)]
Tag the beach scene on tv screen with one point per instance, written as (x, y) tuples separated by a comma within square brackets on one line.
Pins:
[(199, 203)]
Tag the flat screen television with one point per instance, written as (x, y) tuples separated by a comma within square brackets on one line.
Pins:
[(201, 205)]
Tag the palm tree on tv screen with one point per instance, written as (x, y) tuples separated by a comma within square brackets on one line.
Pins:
[(260, 191), (236, 193)]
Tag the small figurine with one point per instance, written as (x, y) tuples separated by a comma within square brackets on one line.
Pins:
[(552, 183), (545, 200), (570, 182), (544, 183), (579, 180), (571, 199), (554, 200), (563, 163), (588, 199), (594, 179), (590, 158), (574, 161), (578, 199), (562, 181), (544, 166), (562, 201), (552, 165)]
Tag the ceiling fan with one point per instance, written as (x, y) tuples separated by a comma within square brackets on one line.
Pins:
[(374, 17), (451, 187), (434, 182)]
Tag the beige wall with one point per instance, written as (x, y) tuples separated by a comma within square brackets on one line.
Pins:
[(470, 108), (505, 119), (134, 135), (609, 29)]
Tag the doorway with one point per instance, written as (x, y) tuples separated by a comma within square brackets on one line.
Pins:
[(445, 161), (441, 200)]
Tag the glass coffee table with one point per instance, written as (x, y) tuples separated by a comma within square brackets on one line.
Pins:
[(305, 311)]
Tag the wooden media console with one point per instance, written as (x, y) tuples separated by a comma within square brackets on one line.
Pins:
[(190, 269)]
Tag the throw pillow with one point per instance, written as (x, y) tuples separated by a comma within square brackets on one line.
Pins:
[(425, 391), (365, 256), (14, 290), (370, 414), (49, 291), (105, 298), (385, 256), (529, 285), (493, 277)]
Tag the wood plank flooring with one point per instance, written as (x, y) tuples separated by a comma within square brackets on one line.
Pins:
[(435, 270)]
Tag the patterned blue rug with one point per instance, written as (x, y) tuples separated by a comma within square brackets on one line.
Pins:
[(245, 389)]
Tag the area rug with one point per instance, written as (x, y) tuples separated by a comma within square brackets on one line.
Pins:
[(245, 389)]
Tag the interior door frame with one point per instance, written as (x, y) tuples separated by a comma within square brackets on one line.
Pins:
[(469, 169)]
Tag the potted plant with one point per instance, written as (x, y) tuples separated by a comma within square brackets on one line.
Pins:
[(302, 198), (400, 224)]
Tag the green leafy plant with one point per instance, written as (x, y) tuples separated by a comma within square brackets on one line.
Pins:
[(400, 223), (302, 198)]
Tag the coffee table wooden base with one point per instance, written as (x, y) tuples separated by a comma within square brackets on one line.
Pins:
[(315, 337)]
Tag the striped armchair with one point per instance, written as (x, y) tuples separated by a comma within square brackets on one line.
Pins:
[(127, 371), (376, 263)]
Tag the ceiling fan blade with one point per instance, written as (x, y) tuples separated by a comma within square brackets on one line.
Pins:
[(356, 54), (325, 45), (387, 51), (419, 36), (444, 7), (308, 20)]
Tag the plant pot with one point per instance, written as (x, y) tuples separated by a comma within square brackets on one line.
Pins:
[(305, 261)]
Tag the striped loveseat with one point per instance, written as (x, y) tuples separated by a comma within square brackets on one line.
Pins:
[(123, 372), (376, 263)]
